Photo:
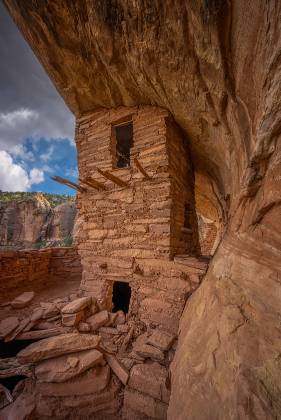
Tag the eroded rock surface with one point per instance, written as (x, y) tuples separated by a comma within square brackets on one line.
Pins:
[(215, 66), (32, 219)]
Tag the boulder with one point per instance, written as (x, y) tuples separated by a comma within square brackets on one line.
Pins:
[(162, 340), (92, 381), (98, 320), (8, 325), (150, 378), (69, 320), (22, 300), (57, 346), (65, 367), (76, 305)]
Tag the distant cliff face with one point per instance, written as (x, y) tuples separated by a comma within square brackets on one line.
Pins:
[(32, 218)]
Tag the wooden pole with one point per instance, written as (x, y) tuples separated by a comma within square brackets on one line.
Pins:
[(68, 183), (113, 178), (140, 168), (90, 182)]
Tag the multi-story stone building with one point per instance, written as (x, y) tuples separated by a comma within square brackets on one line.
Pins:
[(139, 212)]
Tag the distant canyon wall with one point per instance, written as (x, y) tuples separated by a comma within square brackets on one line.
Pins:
[(34, 219)]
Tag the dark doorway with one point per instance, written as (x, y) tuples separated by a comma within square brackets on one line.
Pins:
[(121, 296), (124, 142), (8, 350)]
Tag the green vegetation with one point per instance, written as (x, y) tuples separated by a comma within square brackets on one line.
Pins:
[(54, 199), (65, 242)]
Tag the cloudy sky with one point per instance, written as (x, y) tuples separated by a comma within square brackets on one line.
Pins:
[(36, 127)]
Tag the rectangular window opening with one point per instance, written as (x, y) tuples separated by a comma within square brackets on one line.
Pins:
[(121, 295), (124, 143)]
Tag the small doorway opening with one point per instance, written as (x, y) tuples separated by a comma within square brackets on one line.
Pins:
[(121, 296), (124, 142)]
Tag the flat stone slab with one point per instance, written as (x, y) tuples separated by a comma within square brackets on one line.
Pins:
[(62, 368), (22, 300), (147, 351), (117, 368), (69, 320), (8, 325), (76, 305), (150, 378), (92, 381), (161, 340), (57, 346), (144, 404), (98, 320)]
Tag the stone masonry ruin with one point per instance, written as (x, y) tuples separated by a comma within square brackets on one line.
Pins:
[(178, 130), (132, 232)]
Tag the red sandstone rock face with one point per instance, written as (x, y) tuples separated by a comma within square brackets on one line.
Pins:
[(216, 66), (26, 222)]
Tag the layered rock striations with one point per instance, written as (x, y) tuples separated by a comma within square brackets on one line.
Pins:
[(215, 66), (28, 219)]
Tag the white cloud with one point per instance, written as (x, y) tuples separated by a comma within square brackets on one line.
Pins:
[(13, 177), (36, 176), (20, 152), (48, 155), (17, 117)]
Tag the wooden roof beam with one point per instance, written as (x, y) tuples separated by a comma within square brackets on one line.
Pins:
[(91, 182), (113, 178), (141, 169), (68, 183)]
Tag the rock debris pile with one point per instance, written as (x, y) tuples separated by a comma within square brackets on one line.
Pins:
[(86, 362)]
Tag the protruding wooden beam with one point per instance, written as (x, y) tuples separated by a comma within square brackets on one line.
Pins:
[(140, 168), (90, 182), (113, 178), (68, 183)]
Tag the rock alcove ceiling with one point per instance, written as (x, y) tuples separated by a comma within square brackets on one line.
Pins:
[(215, 65)]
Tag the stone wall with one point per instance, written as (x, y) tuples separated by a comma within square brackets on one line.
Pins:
[(125, 229), (209, 235), (34, 269)]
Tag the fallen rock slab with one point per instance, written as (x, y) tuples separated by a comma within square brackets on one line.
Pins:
[(49, 310), (92, 381), (62, 368), (98, 320), (117, 368), (109, 330), (70, 320), (11, 336), (147, 351), (150, 378), (39, 334), (76, 305), (57, 346), (162, 340), (22, 300), (84, 327), (8, 325)]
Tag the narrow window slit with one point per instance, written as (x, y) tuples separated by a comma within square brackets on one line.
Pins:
[(124, 143)]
